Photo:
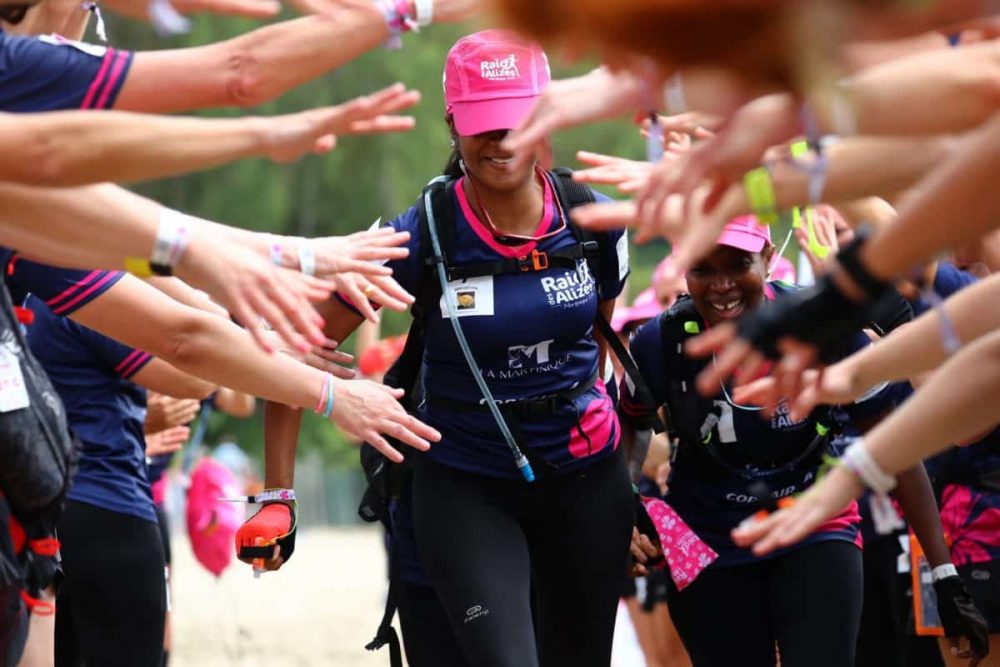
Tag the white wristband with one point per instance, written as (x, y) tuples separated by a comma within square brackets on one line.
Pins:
[(842, 116), (425, 12), (943, 572), (172, 237), (861, 463), (307, 258)]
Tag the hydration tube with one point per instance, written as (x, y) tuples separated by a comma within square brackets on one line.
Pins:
[(519, 458)]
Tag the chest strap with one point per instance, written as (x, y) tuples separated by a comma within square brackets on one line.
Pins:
[(536, 260), (527, 408)]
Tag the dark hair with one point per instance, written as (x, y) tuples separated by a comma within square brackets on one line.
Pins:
[(14, 14), (453, 168)]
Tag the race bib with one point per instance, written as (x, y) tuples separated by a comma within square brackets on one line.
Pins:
[(469, 297), (13, 393)]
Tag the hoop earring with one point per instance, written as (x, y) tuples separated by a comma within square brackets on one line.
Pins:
[(453, 142), (461, 165)]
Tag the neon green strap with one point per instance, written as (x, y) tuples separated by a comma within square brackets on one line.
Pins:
[(800, 149), (760, 193)]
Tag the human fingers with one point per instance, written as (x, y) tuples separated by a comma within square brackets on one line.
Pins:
[(293, 293), (263, 305), (541, 121), (710, 341), (726, 364), (254, 9), (762, 392), (795, 360), (635, 548), (355, 294), (375, 439), (383, 125), (595, 159), (396, 428), (604, 216), (648, 547), (386, 292)]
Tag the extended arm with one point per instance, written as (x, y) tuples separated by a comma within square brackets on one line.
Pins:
[(80, 147)]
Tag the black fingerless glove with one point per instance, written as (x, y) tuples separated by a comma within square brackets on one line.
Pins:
[(821, 315), (959, 615)]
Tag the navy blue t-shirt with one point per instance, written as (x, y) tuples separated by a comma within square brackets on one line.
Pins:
[(531, 335), (91, 374), (948, 279), (712, 508), (50, 73)]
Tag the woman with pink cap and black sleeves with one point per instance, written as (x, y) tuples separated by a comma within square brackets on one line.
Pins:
[(489, 539), (730, 461)]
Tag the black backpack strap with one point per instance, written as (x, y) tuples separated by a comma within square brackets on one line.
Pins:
[(572, 194), (386, 634), (685, 410), (631, 369)]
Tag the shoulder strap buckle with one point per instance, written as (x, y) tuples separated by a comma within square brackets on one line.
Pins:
[(537, 261), (590, 248)]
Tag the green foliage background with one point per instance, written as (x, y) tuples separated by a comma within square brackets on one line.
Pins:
[(365, 177)]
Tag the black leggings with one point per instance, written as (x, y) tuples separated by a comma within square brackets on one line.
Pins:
[(427, 635), (485, 541), (807, 602), (111, 603)]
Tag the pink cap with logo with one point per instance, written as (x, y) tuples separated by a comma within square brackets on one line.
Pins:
[(491, 81), (745, 233)]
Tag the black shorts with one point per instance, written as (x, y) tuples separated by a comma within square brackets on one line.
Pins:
[(164, 525), (110, 608), (982, 580)]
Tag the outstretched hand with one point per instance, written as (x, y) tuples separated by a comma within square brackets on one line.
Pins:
[(291, 136), (369, 411), (796, 521), (255, 292), (595, 96)]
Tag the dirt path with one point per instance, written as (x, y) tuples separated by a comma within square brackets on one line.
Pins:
[(320, 609)]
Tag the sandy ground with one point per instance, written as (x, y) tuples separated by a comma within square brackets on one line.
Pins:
[(320, 609)]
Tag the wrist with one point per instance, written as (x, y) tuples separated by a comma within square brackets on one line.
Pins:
[(943, 572), (174, 233)]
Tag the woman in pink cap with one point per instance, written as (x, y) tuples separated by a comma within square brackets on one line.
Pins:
[(730, 606), (526, 291)]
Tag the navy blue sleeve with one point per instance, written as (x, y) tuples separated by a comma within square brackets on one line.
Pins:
[(50, 73), (949, 279), (407, 272), (646, 347), (126, 361), (614, 259), (64, 291)]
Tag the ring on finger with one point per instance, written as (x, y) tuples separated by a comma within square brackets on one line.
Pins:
[(367, 291)]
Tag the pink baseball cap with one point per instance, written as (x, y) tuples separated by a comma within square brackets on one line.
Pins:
[(645, 307), (745, 233), (492, 80)]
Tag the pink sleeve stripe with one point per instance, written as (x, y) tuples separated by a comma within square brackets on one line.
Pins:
[(127, 360), (72, 289), (121, 57), (110, 275), (133, 368), (95, 85)]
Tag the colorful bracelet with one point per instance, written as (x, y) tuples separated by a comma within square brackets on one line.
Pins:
[(760, 194), (326, 396)]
